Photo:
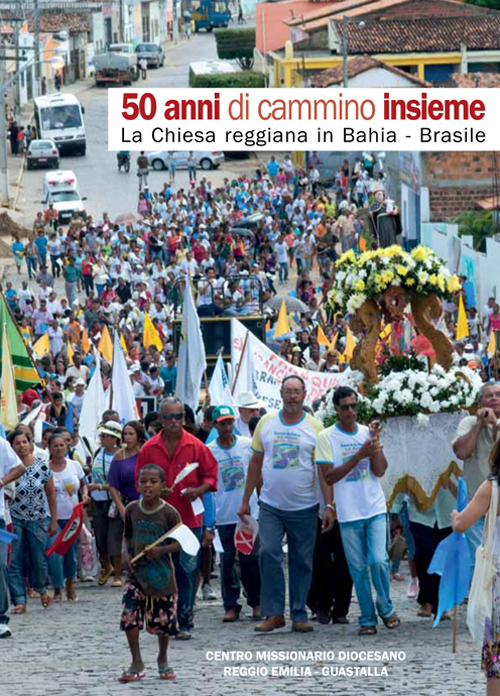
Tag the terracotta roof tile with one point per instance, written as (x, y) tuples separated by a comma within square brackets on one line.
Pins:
[(358, 65), (424, 35), (479, 79)]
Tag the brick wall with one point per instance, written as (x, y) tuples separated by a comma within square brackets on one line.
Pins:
[(456, 180)]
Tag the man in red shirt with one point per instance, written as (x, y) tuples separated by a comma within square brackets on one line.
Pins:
[(172, 449)]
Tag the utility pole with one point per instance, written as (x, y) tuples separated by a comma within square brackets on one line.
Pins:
[(4, 177), (17, 88), (175, 28), (36, 21), (345, 78), (122, 32)]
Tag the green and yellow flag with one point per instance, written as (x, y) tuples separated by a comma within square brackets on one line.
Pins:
[(8, 403), (25, 372)]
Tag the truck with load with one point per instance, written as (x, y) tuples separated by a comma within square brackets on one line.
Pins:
[(117, 68)]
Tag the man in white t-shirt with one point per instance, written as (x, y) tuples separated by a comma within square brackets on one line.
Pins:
[(232, 453), (11, 468), (281, 250), (354, 462), (283, 459)]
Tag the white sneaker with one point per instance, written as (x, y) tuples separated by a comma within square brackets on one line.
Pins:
[(412, 590), (5, 631), (208, 593)]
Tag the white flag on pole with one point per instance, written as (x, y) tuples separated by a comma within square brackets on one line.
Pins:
[(192, 361), (220, 393), (123, 399), (93, 406)]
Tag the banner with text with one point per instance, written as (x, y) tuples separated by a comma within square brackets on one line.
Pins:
[(262, 371), (303, 119)]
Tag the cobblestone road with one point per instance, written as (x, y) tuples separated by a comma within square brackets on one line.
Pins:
[(78, 649)]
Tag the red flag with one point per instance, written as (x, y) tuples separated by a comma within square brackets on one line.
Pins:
[(67, 537)]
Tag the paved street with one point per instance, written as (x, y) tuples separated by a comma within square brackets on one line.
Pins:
[(98, 178), (78, 649)]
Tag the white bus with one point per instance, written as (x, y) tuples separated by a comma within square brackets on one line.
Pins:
[(211, 67), (59, 117)]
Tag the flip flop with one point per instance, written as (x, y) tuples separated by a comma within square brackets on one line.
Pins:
[(166, 673), (131, 676), (104, 577), (19, 609), (46, 600), (392, 621)]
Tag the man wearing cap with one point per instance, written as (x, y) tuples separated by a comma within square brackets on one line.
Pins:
[(232, 453), (283, 459), (249, 407), (78, 396), (173, 449)]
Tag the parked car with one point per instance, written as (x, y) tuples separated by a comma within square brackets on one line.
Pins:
[(152, 53), (204, 159), (42, 153)]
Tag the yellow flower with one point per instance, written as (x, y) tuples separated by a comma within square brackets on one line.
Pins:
[(409, 282), (441, 283), (453, 284), (348, 257), (402, 270), (433, 280), (387, 276), (359, 285), (421, 253)]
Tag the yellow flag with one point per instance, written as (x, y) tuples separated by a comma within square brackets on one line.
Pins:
[(492, 345), (70, 353), (322, 339), (8, 402), (349, 345), (462, 325), (334, 341), (85, 341), (105, 346), (42, 346), (151, 337), (282, 325), (123, 345)]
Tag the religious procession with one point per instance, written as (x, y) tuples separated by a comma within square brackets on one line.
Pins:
[(254, 383)]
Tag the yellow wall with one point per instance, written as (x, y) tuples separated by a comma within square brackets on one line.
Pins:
[(293, 68)]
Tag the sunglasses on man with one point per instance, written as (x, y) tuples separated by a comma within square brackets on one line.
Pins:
[(172, 416), (346, 407)]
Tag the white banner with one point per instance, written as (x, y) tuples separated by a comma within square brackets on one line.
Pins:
[(303, 119), (262, 371)]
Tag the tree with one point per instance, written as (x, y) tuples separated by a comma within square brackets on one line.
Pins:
[(491, 4), (236, 44), (479, 224)]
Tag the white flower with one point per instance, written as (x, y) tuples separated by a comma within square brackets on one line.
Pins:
[(423, 277), (355, 303), (422, 420)]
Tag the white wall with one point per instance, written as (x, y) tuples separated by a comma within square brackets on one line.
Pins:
[(378, 77), (480, 269)]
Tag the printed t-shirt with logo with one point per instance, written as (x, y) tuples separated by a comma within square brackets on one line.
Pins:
[(67, 485), (358, 495), (155, 576), (288, 470), (232, 471)]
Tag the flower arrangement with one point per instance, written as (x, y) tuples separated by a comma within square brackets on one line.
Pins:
[(412, 393), (368, 275)]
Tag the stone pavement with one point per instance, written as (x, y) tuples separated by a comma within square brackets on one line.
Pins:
[(78, 649)]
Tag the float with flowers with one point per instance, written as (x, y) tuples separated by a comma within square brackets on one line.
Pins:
[(414, 388)]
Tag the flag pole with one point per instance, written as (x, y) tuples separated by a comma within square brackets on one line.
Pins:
[(28, 347), (239, 363), (454, 631)]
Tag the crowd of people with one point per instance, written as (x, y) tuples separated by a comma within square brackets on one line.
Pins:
[(240, 244)]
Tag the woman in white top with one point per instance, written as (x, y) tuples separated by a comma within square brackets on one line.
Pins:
[(69, 480), (475, 510)]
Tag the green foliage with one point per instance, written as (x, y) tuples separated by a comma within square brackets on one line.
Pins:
[(243, 80), (236, 44), (491, 4), (400, 363), (479, 224)]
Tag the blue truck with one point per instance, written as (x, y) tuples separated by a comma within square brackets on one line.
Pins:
[(209, 14)]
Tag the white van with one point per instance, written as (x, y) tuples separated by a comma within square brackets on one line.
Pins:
[(211, 67), (60, 189), (59, 117)]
